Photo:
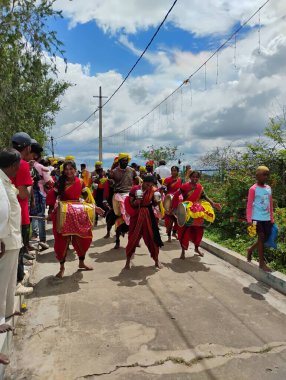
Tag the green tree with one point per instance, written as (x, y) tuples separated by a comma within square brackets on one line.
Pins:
[(167, 153), (29, 88)]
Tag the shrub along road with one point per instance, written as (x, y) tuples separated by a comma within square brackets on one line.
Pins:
[(195, 319)]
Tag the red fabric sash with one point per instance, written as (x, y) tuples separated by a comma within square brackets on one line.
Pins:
[(191, 194)]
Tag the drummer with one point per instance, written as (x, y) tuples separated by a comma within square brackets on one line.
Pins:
[(172, 183), (200, 209)]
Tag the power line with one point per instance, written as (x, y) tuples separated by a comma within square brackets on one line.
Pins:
[(195, 72), (78, 126), (127, 76), (142, 54)]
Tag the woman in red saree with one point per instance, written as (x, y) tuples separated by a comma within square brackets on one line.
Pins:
[(173, 184), (201, 208), (142, 221), (76, 228)]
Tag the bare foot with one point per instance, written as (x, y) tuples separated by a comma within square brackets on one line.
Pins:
[(82, 266), (265, 268), (249, 255), (5, 328), (158, 265), (199, 252), (4, 359), (127, 265), (183, 256), (107, 236), (61, 273)]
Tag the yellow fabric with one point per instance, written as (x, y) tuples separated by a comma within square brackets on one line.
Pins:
[(98, 163), (162, 209), (142, 169), (124, 155), (89, 198), (208, 213), (61, 168), (103, 180), (69, 158)]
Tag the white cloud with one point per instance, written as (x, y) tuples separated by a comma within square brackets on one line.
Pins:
[(235, 109), (130, 16)]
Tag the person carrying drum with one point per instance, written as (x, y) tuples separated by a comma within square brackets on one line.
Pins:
[(172, 184), (193, 213), (143, 224)]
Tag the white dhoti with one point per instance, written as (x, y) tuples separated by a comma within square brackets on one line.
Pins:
[(118, 203), (8, 279)]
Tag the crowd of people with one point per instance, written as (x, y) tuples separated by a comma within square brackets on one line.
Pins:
[(133, 199)]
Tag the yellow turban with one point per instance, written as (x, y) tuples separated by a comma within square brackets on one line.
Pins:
[(98, 163), (142, 169), (54, 162), (124, 155), (70, 158), (262, 168)]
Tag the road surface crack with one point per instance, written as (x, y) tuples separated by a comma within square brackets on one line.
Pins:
[(189, 363)]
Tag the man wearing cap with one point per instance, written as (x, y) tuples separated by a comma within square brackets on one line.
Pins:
[(21, 141), (140, 206), (10, 237), (123, 177)]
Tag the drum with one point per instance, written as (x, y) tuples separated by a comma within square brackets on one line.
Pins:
[(168, 203), (187, 221), (75, 218)]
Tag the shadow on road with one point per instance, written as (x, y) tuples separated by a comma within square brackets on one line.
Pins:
[(50, 286), (256, 290), (190, 264), (50, 257), (135, 276), (171, 246), (109, 256)]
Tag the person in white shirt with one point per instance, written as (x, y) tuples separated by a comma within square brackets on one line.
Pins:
[(10, 235), (163, 171)]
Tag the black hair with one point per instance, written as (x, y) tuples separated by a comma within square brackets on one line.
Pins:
[(195, 172), (62, 179), (45, 162), (83, 166), (9, 157), (36, 148), (175, 167), (162, 162), (149, 178)]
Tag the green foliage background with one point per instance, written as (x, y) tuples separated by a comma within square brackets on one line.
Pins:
[(29, 88), (236, 173)]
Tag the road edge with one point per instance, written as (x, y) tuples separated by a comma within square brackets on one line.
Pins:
[(276, 280)]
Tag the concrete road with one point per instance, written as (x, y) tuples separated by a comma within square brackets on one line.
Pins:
[(195, 319)]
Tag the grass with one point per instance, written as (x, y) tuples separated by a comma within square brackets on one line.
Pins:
[(240, 243)]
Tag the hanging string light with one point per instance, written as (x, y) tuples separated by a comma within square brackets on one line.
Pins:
[(217, 68), (259, 33)]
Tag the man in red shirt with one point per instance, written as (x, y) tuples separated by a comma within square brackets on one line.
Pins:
[(21, 141)]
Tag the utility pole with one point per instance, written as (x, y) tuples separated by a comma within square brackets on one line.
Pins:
[(53, 150), (100, 155)]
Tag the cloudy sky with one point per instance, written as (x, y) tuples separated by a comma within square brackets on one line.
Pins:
[(229, 101)]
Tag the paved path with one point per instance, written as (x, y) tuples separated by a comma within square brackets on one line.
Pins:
[(195, 319)]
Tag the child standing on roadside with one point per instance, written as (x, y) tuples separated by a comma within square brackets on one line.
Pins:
[(260, 210)]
